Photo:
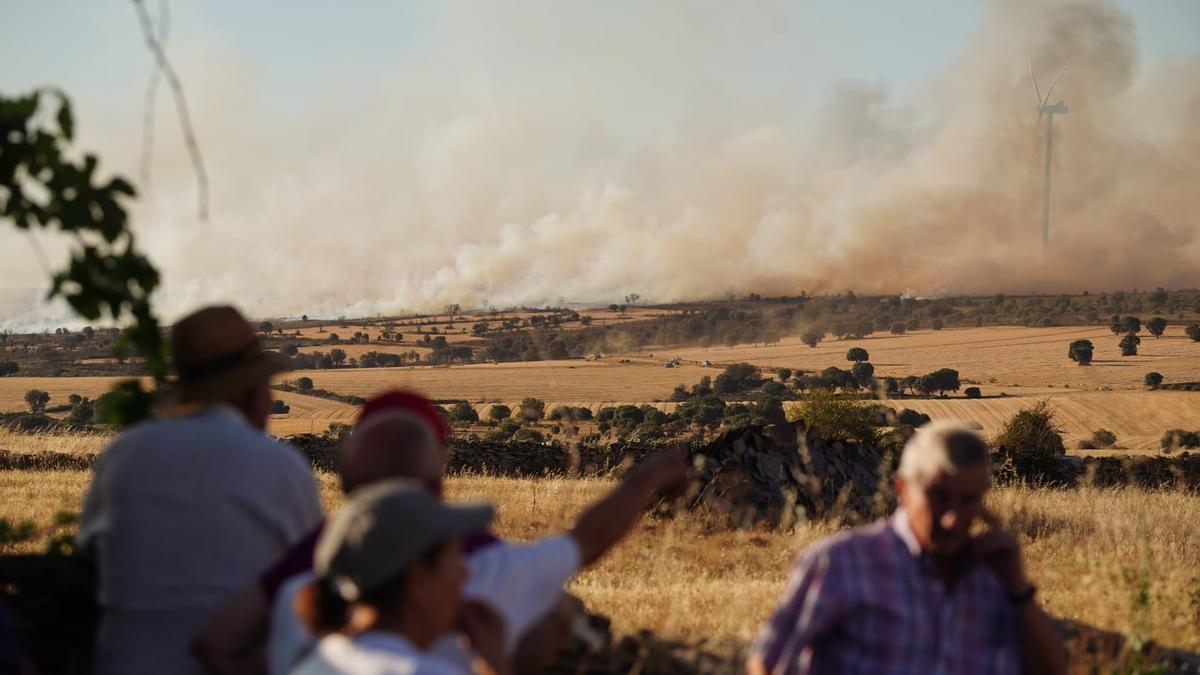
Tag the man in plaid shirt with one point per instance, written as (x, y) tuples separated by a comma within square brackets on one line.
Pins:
[(916, 592)]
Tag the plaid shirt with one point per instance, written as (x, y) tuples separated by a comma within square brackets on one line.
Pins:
[(867, 601)]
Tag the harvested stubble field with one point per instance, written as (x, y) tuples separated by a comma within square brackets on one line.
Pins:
[(604, 381), (1090, 551), (998, 358), (1027, 364), (1138, 418)]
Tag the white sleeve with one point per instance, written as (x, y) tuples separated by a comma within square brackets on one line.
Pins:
[(522, 581)]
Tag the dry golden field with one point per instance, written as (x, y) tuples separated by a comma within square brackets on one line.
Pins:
[(1089, 551), (577, 380), (998, 358), (1024, 364), (355, 351)]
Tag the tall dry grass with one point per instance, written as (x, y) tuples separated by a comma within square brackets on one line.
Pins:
[(1124, 560), (73, 442)]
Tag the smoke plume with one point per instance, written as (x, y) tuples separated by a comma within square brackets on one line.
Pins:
[(648, 152)]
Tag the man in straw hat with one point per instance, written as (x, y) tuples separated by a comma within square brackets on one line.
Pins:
[(186, 508), (918, 592), (391, 572)]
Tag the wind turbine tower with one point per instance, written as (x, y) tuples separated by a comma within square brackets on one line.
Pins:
[(1044, 108)]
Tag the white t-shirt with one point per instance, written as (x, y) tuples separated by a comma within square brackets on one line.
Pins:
[(520, 581), (373, 653)]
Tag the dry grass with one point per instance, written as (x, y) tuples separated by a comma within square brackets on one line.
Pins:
[(1087, 550), (72, 443)]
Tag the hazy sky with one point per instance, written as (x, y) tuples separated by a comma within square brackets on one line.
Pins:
[(381, 155)]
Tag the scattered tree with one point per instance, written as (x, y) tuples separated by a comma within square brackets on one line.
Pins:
[(1193, 331), (973, 392), (812, 337), (8, 368), (463, 412), (304, 383), (531, 409), (499, 412), (857, 354), (1080, 352), (898, 328), (37, 399), (278, 407), (1153, 379), (736, 378), (265, 326), (1156, 326), (1129, 345), (863, 372), (785, 374)]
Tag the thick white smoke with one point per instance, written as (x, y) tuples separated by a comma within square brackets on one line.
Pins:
[(644, 154)]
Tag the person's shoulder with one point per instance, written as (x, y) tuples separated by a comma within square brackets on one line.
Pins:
[(867, 541)]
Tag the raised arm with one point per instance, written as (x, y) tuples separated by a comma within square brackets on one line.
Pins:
[(607, 521)]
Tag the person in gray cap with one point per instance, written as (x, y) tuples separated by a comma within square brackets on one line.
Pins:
[(391, 573), (186, 508)]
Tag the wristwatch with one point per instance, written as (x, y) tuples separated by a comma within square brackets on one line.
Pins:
[(1024, 596)]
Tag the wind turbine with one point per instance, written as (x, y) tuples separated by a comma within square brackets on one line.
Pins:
[(1049, 111)]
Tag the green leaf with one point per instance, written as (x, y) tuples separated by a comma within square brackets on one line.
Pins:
[(66, 120)]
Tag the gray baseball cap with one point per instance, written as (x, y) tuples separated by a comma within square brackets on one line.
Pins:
[(385, 527)]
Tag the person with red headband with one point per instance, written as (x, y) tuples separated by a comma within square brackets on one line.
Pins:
[(401, 434)]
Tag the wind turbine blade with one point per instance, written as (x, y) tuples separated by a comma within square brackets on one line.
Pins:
[(1033, 77), (1060, 72)]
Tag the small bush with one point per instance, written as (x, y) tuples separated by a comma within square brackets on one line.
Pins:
[(1103, 438), (528, 435), (833, 418), (973, 392), (1179, 438), (911, 418), (1032, 441), (1153, 379), (532, 409), (463, 412)]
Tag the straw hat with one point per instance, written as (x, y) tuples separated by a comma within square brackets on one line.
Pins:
[(216, 354)]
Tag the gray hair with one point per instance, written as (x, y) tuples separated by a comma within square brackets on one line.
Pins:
[(945, 446)]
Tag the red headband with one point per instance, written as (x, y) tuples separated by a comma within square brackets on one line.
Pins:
[(398, 399)]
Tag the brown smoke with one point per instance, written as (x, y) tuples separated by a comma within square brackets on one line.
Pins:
[(504, 192)]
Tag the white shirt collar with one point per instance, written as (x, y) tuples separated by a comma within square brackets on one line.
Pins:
[(903, 529)]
